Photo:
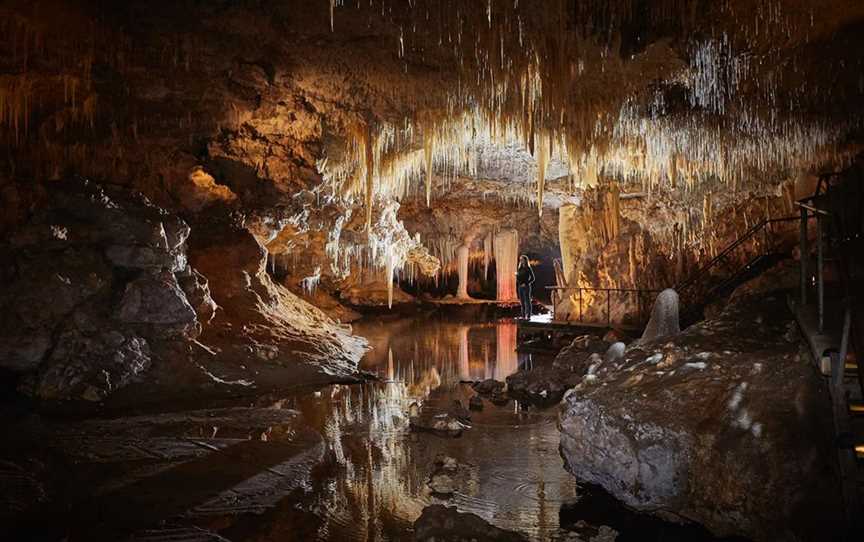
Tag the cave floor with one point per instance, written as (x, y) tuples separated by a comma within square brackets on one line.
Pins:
[(340, 463)]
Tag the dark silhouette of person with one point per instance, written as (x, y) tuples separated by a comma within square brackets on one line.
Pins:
[(524, 280)]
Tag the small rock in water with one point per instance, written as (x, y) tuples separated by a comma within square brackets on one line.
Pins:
[(439, 523), (440, 424), (458, 411), (489, 387)]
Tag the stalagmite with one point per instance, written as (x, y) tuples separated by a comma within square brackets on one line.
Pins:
[(462, 261), (506, 256)]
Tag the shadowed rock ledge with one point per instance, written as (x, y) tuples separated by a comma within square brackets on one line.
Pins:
[(99, 293)]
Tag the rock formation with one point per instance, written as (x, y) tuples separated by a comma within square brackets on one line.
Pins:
[(692, 429), (102, 284)]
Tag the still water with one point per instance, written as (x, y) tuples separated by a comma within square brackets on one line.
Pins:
[(377, 485)]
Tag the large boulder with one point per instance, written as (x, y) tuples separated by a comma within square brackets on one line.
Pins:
[(727, 425), (90, 289)]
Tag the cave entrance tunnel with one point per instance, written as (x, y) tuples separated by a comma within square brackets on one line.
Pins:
[(482, 280)]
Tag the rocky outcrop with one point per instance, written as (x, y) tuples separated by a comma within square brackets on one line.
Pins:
[(727, 425), (99, 289), (277, 327), (91, 288)]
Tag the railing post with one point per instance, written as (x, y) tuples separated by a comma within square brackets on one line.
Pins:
[(805, 255), (554, 302), (819, 272)]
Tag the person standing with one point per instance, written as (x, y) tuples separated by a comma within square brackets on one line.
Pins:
[(524, 280)]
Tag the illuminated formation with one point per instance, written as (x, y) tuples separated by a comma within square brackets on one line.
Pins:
[(506, 246), (219, 219)]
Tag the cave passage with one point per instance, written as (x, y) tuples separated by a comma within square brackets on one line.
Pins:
[(260, 270)]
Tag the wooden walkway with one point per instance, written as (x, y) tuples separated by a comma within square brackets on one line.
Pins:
[(568, 325)]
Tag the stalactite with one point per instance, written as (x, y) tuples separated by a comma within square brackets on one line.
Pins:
[(487, 254), (428, 149), (369, 167), (543, 155)]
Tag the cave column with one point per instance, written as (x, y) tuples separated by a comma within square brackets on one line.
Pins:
[(506, 255), (462, 261)]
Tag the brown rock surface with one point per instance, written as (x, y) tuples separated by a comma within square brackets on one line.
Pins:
[(726, 424)]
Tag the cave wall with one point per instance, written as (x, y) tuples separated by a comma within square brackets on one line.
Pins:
[(644, 241)]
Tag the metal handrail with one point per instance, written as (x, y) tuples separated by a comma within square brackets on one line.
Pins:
[(746, 236), (639, 291), (681, 286)]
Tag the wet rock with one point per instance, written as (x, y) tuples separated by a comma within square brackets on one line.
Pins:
[(439, 523), (543, 386), (442, 424), (458, 411), (448, 476), (475, 403), (488, 387), (664, 316), (687, 428)]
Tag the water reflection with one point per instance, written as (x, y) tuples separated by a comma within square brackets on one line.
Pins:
[(515, 480)]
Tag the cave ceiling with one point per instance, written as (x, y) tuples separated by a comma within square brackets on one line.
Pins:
[(373, 99)]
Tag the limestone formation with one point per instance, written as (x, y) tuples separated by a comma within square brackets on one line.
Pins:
[(723, 425), (664, 317)]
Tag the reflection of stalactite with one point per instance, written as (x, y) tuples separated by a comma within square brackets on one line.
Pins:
[(543, 155), (487, 254), (506, 358), (464, 362)]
